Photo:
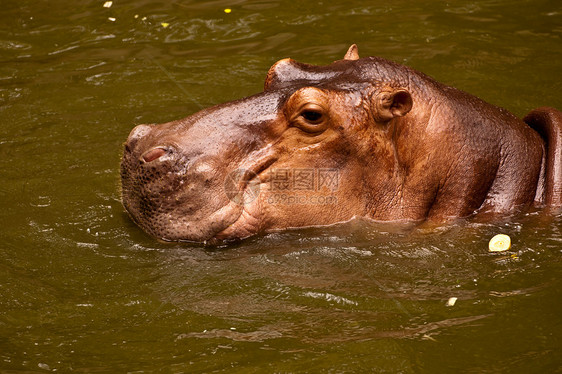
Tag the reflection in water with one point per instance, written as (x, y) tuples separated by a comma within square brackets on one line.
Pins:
[(315, 286)]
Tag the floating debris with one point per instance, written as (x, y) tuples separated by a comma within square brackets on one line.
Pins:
[(499, 243), (165, 24), (112, 19), (451, 301), (428, 337), (108, 4), (228, 10), (44, 366)]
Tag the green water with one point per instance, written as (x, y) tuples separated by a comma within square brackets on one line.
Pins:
[(84, 290)]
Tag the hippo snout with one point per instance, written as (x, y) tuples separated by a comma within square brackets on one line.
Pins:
[(139, 145), (171, 189)]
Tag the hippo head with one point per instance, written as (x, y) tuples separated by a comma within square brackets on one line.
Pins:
[(314, 148)]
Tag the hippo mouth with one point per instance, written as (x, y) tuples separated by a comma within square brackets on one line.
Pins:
[(245, 196), (177, 225)]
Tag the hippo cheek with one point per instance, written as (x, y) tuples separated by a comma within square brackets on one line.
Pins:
[(296, 196)]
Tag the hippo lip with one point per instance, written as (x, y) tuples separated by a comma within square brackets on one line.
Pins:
[(260, 167)]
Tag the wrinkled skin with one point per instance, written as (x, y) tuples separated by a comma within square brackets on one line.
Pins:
[(324, 144)]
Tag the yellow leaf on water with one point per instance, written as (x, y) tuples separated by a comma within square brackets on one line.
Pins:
[(228, 10), (451, 301), (165, 24), (499, 243)]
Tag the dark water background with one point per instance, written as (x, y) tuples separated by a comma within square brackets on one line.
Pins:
[(82, 289)]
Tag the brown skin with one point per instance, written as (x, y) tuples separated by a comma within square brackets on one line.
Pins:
[(400, 146)]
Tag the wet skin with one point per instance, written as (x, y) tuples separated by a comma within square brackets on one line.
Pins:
[(324, 144)]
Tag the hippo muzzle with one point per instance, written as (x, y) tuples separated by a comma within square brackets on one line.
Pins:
[(185, 180)]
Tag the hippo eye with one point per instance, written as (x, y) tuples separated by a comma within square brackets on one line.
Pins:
[(308, 110), (312, 116)]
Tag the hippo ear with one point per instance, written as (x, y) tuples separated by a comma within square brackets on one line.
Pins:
[(352, 53), (391, 103)]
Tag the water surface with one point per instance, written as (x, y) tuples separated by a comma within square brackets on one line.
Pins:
[(83, 289)]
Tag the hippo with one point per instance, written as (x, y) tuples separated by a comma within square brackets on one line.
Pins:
[(358, 138)]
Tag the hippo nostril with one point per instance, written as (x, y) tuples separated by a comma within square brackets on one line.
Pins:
[(154, 154)]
